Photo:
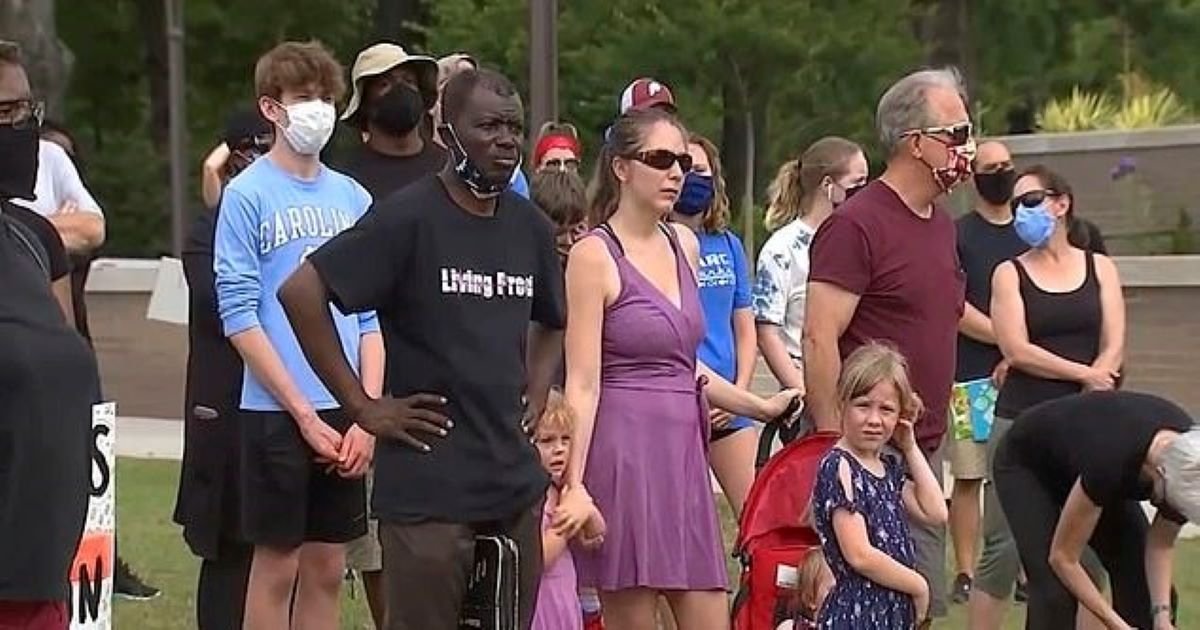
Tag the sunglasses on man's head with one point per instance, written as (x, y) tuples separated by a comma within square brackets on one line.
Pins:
[(663, 159), (955, 135), (1032, 199)]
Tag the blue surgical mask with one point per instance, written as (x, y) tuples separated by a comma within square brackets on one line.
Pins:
[(1034, 225), (697, 194)]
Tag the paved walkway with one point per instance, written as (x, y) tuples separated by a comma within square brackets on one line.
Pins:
[(149, 438), (157, 438)]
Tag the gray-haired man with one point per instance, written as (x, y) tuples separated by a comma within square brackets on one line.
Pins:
[(884, 267)]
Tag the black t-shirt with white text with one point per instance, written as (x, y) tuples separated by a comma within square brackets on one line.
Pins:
[(455, 294), (1099, 438), (982, 246), (383, 174)]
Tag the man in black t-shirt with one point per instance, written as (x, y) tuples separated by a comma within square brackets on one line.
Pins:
[(392, 92), (462, 273), (985, 238), (1071, 473), (48, 384)]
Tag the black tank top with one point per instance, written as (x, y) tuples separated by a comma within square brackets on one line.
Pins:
[(1066, 324)]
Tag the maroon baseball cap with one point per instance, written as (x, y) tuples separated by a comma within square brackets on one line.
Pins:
[(645, 93)]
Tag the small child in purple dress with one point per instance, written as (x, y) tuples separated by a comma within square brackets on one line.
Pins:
[(862, 494), (558, 606)]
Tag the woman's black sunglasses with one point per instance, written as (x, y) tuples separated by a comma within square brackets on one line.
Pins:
[(1032, 199), (662, 159)]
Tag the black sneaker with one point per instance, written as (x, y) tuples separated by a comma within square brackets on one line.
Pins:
[(960, 593), (127, 584), (1020, 595)]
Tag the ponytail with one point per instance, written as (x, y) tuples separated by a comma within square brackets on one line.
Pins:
[(784, 196), (791, 194)]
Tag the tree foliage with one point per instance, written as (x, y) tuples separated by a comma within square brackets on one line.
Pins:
[(779, 72)]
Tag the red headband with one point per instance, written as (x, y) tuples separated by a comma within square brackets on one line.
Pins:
[(555, 141)]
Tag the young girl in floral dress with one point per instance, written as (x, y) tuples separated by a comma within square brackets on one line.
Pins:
[(864, 489)]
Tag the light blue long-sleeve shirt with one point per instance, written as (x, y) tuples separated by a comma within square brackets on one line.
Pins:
[(269, 221)]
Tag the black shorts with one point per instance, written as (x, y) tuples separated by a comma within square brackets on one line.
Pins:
[(287, 498)]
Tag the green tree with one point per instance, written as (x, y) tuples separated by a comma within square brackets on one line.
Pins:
[(116, 104), (774, 72)]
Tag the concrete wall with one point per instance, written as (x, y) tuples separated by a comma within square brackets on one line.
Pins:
[(143, 362), (1146, 199)]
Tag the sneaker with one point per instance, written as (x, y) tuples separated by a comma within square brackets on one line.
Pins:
[(1020, 594), (127, 584), (961, 591)]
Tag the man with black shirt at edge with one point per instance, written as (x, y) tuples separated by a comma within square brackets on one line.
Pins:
[(208, 503), (392, 92), (985, 239), (462, 272), (58, 264), (48, 384)]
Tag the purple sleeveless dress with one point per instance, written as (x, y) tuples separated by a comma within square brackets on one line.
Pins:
[(647, 468)]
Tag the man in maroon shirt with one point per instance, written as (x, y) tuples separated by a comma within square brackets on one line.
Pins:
[(884, 267)]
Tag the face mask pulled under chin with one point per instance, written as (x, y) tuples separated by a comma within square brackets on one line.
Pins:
[(310, 125), (18, 162), (480, 185)]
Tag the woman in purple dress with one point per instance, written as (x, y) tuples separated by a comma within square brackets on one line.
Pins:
[(639, 394)]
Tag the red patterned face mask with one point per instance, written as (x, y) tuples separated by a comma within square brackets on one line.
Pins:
[(958, 166)]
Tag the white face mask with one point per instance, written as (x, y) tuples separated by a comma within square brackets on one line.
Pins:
[(310, 125)]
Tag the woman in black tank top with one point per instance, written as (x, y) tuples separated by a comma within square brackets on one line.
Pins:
[(1058, 311), (1059, 318)]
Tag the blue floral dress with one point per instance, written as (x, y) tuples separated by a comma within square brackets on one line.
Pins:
[(856, 602)]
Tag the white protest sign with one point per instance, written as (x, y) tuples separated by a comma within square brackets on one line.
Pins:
[(92, 571), (169, 301)]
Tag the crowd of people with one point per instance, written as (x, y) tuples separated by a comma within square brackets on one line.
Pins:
[(382, 370)]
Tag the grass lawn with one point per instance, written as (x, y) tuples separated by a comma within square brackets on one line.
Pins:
[(152, 544)]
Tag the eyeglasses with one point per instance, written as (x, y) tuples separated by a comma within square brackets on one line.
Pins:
[(955, 135), (22, 113), (1033, 198), (562, 165), (663, 159)]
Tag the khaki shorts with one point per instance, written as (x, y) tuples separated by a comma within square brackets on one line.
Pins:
[(968, 459), (363, 554)]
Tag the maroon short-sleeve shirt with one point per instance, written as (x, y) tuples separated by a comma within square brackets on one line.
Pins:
[(905, 270)]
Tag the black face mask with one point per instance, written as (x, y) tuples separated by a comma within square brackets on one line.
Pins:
[(996, 188), (480, 184), (18, 161), (853, 190), (399, 110)]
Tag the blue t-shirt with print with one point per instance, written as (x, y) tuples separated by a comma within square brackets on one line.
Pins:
[(724, 287), (268, 223)]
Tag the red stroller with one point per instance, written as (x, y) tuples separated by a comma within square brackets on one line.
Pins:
[(775, 528)]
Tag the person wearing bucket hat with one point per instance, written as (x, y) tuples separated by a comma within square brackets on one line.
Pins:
[(1070, 474), (392, 91)]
